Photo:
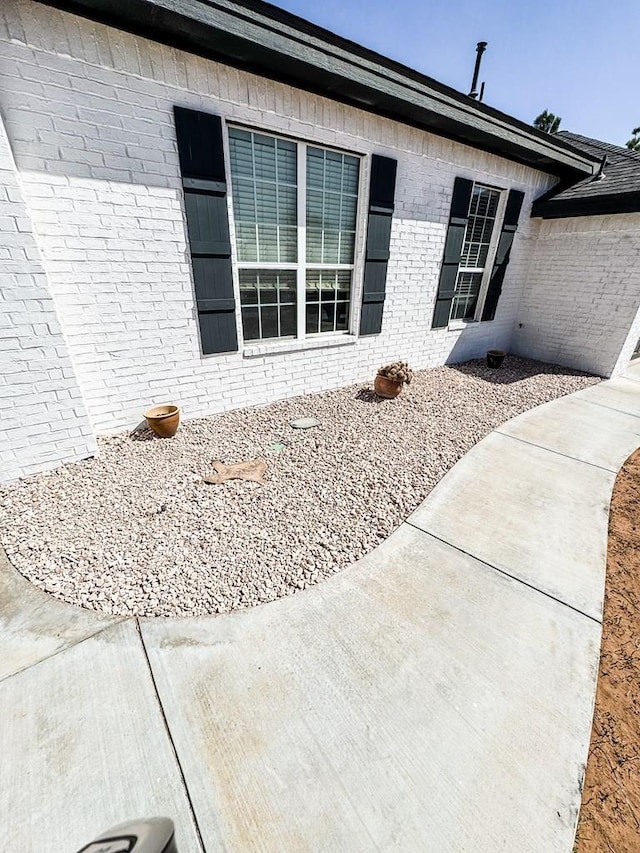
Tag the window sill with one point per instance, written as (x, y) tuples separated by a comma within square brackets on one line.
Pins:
[(459, 325), (278, 347)]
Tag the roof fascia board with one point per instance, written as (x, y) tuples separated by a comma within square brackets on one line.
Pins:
[(586, 206), (243, 36)]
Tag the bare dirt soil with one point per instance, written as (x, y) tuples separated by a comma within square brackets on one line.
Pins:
[(610, 815)]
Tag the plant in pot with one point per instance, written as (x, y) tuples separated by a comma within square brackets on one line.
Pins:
[(390, 379)]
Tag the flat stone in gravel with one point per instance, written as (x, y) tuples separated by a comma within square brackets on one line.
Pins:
[(304, 423), (137, 531)]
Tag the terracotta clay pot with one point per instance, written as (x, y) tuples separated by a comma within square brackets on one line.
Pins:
[(163, 420), (387, 388), (495, 357)]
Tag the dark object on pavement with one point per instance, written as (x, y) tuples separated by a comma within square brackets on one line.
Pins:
[(153, 835)]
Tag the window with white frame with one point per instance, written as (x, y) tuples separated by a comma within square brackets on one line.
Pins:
[(478, 251), (294, 209)]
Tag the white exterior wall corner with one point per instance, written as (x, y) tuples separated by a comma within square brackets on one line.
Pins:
[(89, 115), (580, 306), (43, 420)]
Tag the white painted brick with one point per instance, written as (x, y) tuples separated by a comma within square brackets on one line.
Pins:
[(38, 382), (582, 294)]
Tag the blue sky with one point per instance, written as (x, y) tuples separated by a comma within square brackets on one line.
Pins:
[(577, 58)]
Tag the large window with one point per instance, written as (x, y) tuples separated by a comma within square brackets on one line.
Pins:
[(477, 252), (294, 208)]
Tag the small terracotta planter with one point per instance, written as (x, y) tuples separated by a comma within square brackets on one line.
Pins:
[(387, 388), (163, 420), (495, 357)]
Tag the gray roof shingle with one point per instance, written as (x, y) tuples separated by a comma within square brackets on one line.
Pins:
[(616, 191)]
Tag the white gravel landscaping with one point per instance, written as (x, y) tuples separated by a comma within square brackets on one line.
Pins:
[(137, 531)]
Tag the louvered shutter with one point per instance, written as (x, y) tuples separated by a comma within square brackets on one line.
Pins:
[(381, 204), (503, 252), (201, 155), (458, 217)]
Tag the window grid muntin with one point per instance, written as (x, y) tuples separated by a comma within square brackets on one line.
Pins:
[(299, 266)]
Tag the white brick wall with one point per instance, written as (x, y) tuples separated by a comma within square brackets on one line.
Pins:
[(89, 115), (582, 295), (43, 420)]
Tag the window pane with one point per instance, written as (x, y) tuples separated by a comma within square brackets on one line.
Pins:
[(244, 199), (248, 289), (273, 293), (264, 157), (347, 240), (342, 316), (313, 285), (240, 149), (288, 238), (264, 193), (332, 194), (466, 296), (269, 315), (246, 242), (288, 321), (312, 319), (268, 243), (330, 247), (287, 205), (328, 317), (328, 292), (268, 289), (348, 212), (286, 159), (315, 168), (250, 324)]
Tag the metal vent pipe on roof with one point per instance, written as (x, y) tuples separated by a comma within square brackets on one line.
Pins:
[(480, 49)]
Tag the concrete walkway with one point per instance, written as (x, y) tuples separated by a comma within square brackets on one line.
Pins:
[(437, 696)]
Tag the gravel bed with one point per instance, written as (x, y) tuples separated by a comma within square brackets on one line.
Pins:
[(137, 531)]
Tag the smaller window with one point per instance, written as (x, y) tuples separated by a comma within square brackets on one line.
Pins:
[(477, 252)]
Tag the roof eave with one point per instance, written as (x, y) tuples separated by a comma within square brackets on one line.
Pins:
[(279, 49), (600, 205)]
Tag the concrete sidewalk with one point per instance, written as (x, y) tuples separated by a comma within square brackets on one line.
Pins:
[(437, 696)]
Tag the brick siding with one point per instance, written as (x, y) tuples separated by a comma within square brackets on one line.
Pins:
[(43, 420), (582, 295)]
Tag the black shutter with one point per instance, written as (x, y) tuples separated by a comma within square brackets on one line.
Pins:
[(381, 202), (509, 226), (458, 217), (205, 199)]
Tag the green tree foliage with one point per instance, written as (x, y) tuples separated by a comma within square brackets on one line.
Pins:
[(547, 122), (634, 142)]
